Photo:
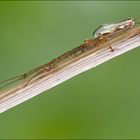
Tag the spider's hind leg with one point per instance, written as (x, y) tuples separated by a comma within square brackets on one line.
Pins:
[(108, 43)]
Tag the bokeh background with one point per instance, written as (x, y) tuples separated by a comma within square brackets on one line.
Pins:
[(101, 103)]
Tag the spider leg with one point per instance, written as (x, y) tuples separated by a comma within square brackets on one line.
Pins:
[(106, 39)]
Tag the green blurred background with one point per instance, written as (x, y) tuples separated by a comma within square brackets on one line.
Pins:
[(101, 103)]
